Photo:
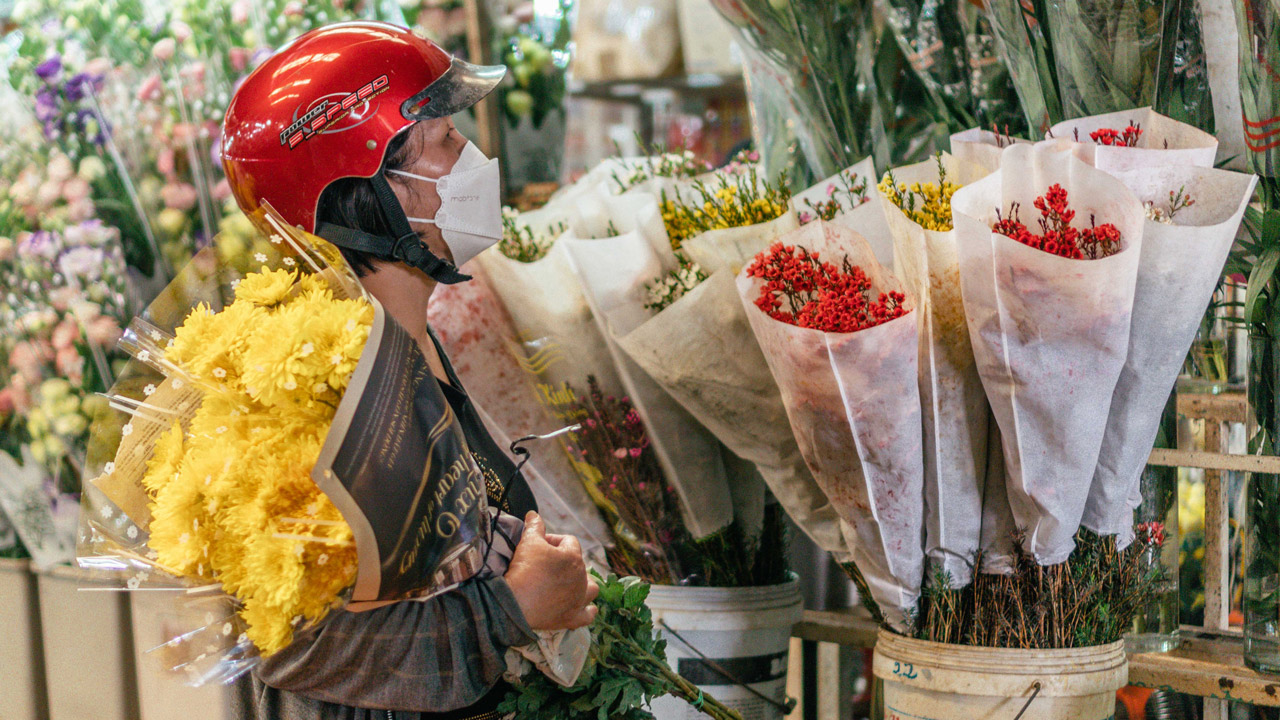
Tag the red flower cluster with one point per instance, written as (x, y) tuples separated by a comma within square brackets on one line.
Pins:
[(1122, 138), (1151, 533), (1057, 237), (819, 295)]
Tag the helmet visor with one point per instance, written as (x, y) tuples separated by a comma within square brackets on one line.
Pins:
[(460, 87)]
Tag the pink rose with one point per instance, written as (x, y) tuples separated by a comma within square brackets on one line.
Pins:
[(70, 365), (98, 66), (239, 58), (19, 396), (103, 331), (179, 196), (48, 193), (182, 132), (61, 298), (75, 189), (7, 403), (240, 12), (25, 359), (164, 162), (221, 191), (150, 89), (65, 335), (194, 72), (181, 31), (163, 50), (293, 8), (80, 210)]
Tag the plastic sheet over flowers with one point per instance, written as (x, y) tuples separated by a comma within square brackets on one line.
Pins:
[(853, 403), (1050, 334), (268, 459)]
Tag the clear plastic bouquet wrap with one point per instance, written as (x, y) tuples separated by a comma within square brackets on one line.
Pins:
[(1192, 216), (284, 450), (841, 340), (1049, 318), (917, 204)]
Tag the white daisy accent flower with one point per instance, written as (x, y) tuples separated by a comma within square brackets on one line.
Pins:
[(226, 628), (184, 538), (134, 582), (155, 335), (235, 284), (290, 385), (221, 429), (319, 388), (149, 390), (132, 532), (260, 257), (289, 262), (109, 468), (219, 373), (307, 349), (144, 356), (276, 239), (323, 559), (105, 512), (127, 430)]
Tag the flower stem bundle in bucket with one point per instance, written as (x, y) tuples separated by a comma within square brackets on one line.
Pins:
[(926, 680)]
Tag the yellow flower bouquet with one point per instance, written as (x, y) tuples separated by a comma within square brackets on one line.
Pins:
[(285, 447)]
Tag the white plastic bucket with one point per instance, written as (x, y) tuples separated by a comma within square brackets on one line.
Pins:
[(746, 631), (935, 681), (22, 693), (88, 647)]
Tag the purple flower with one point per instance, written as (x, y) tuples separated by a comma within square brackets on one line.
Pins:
[(50, 68), (78, 86), (39, 244)]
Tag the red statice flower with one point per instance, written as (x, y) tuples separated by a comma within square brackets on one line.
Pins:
[(800, 289), (1121, 138), (1057, 237)]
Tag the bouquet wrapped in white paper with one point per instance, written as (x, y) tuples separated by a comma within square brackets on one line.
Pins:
[(1049, 319), (841, 341)]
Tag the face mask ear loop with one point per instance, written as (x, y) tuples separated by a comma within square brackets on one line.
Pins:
[(407, 247)]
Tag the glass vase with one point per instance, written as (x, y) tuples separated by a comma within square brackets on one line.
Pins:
[(1262, 515), (1155, 626)]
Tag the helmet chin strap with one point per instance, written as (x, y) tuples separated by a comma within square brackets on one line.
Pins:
[(406, 247)]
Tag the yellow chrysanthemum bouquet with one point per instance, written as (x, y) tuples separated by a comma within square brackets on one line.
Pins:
[(277, 452)]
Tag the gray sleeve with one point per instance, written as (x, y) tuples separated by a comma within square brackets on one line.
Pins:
[(433, 656)]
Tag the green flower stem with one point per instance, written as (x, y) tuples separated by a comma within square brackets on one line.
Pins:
[(680, 687)]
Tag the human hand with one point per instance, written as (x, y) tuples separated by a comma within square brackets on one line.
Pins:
[(549, 579)]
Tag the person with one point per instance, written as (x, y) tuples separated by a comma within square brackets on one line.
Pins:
[(347, 133)]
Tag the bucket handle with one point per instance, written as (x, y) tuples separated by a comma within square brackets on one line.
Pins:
[(786, 706), (1034, 692)]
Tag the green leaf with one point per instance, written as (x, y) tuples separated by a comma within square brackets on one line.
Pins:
[(1263, 271)]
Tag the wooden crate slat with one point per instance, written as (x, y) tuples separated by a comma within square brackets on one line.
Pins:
[(1215, 460), (1208, 666)]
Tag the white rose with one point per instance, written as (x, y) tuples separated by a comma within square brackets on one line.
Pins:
[(59, 168)]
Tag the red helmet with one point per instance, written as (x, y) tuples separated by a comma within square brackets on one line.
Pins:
[(325, 106)]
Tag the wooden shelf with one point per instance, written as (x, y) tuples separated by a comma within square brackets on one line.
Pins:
[(634, 91), (1207, 664)]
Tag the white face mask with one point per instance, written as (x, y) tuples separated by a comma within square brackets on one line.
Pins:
[(470, 214)]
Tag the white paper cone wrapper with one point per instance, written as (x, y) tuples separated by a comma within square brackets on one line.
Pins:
[(1049, 334), (866, 219), (853, 403), (560, 343), (1164, 141), (613, 273), (998, 526), (980, 150), (1177, 272), (701, 350), (953, 404), (732, 248), (477, 335)]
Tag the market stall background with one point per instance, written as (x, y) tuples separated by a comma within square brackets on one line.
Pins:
[(111, 183)]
